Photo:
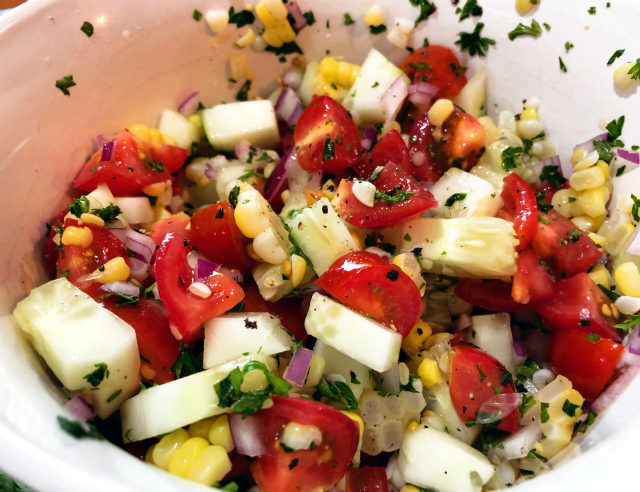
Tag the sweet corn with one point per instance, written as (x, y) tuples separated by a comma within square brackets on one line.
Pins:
[(92, 219), (600, 241), (525, 6), (167, 446), (200, 428), (578, 155), (565, 201), (429, 372), (594, 201), (440, 111), (272, 38), (529, 114), (415, 340), (284, 30), (329, 189), (254, 380), (298, 267), (316, 368), (374, 16), (600, 275), (211, 466), (217, 20), (154, 189), (588, 223), (412, 426), (589, 160), (618, 237), (622, 77), (409, 488), (587, 178), (149, 135), (628, 279), (246, 38), (148, 457), (338, 72), (556, 413), (277, 8), (264, 14), (185, 457), (238, 69), (77, 236), (267, 246), (220, 433), (606, 169)]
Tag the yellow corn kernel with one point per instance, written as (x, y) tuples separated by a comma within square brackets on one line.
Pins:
[(587, 178), (429, 372), (374, 16), (415, 340), (286, 268), (272, 37), (167, 446), (578, 155), (186, 456), (594, 201), (347, 74), (440, 111), (556, 412), (277, 8), (565, 201), (618, 237), (264, 14), (606, 169), (622, 77), (525, 6), (238, 69), (246, 38), (211, 466), (412, 426), (285, 31), (115, 270), (155, 136), (600, 241), (329, 69), (254, 380), (409, 488), (628, 279), (155, 189), (92, 219), (140, 131), (316, 368), (251, 217), (356, 418), (529, 114), (220, 433), (77, 236), (600, 275), (329, 189), (298, 267), (217, 20), (200, 428), (588, 223)]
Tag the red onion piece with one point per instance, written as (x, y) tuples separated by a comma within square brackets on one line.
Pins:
[(80, 408), (139, 269), (299, 21), (107, 151), (101, 140), (189, 105), (296, 371), (422, 93), (628, 156), (277, 178), (393, 99), (141, 245), (369, 136), (206, 268), (242, 150), (498, 407), (234, 273), (292, 79), (588, 145), (246, 434), (462, 323), (124, 288), (614, 390), (633, 342), (288, 106), (518, 349)]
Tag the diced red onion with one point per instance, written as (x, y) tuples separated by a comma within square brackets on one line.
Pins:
[(422, 93), (296, 371), (242, 150), (498, 407), (176, 204), (247, 434), (124, 288), (518, 444), (462, 323), (192, 259), (107, 151), (288, 106), (119, 232), (139, 269), (633, 342), (615, 389), (380, 252), (101, 140), (80, 408), (633, 157), (189, 105), (588, 145), (234, 273), (292, 79), (206, 268), (634, 244), (519, 349), (278, 176), (393, 99), (141, 245), (369, 136), (299, 21)]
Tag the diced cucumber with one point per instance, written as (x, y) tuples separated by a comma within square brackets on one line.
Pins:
[(136, 209), (492, 333), (321, 235), (476, 247), (305, 91), (75, 336), (272, 283), (228, 174), (226, 125), (353, 334), (374, 79), (354, 373), (179, 128), (467, 194), (169, 406), (228, 337), (439, 401), (434, 459), (473, 96)]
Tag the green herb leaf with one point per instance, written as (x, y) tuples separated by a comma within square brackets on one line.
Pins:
[(511, 157), (328, 149), (616, 54), (426, 9), (563, 67), (544, 412), (609, 293), (197, 15), (570, 408), (338, 392), (79, 430), (156, 166), (568, 46), (250, 173), (79, 206), (630, 323), (189, 361), (376, 172), (377, 29), (87, 28), (348, 20), (634, 71), (592, 10), (241, 18), (553, 175), (527, 402), (233, 196), (526, 370), (473, 42), (594, 337), (456, 197), (532, 455), (122, 299), (591, 417), (7, 484), (243, 93), (309, 17), (65, 83), (114, 395), (470, 8), (522, 30), (108, 213), (394, 196), (96, 377), (635, 207), (285, 49)]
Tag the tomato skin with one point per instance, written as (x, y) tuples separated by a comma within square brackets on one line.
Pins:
[(390, 148), (371, 285), (578, 305), (214, 233), (532, 282), (176, 224), (589, 365), (382, 214), (156, 343), (437, 69), (304, 470), (185, 310), (567, 248), (288, 309), (126, 173), (326, 119), (52, 250), (475, 372), (493, 295), (521, 208), (367, 479)]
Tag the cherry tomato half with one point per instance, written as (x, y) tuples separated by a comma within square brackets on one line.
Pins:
[(520, 208), (436, 65), (532, 282)]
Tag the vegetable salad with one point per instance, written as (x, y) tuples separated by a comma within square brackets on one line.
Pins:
[(361, 282)]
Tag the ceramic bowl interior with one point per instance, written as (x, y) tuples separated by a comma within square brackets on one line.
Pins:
[(149, 56)]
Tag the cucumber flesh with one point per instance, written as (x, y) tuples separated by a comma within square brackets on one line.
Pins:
[(473, 96), (179, 128), (355, 374)]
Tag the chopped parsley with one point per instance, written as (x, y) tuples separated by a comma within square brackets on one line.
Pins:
[(78, 430), (608, 292), (616, 54), (544, 412), (309, 17), (233, 196), (65, 83), (377, 29), (197, 15), (570, 408), (108, 213), (532, 455), (394, 196), (473, 42), (96, 377), (189, 361), (470, 8), (328, 151), (592, 10), (481, 374), (630, 323), (614, 130), (353, 378), (634, 71), (241, 18), (591, 417), (527, 402), (574, 235), (594, 337), (9, 485), (619, 171), (122, 299), (553, 175), (336, 391), (114, 395), (585, 322), (156, 166), (523, 30), (79, 206), (511, 157), (456, 197), (426, 9), (243, 93), (249, 173), (563, 67), (285, 49), (87, 28), (348, 20), (635, 207), (527, 370), (568, 46), (376, 172)]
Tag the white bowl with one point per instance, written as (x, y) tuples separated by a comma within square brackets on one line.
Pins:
[(146, 56)]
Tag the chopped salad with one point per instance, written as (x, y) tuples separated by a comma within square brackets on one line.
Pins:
[(361, 282)]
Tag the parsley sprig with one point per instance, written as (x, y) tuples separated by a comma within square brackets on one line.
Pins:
[(336, 391), (474, 42), (523, 30), (189, 361), (394, 196), (614, 130)]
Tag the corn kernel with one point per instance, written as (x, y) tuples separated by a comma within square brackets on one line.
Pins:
[(77, 236), (92, 219), (298, 267), (588, 223), (556, 411), (412, 426), (529, 114), (316, 368), (238, 69), (155, 189), (600, 275), (140, 131), (272, 38), (220, 433), (578, 155), (217, 20), (600, 241), (246, 38), (440, 111), (524, 6), (285, 31), (148, 457), (264, 14), (277, 8), (200, 428), (618, 237), (115, 270), (622, 77), (429, 372), (374, 16), (409, 488), (589, 160), (587, 178), (186, 456), (415, 340), (329, 189), (628, 279), (211, 466), (565, 201), (254, 380), (251, 217), (167, 446), (594, 201)]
